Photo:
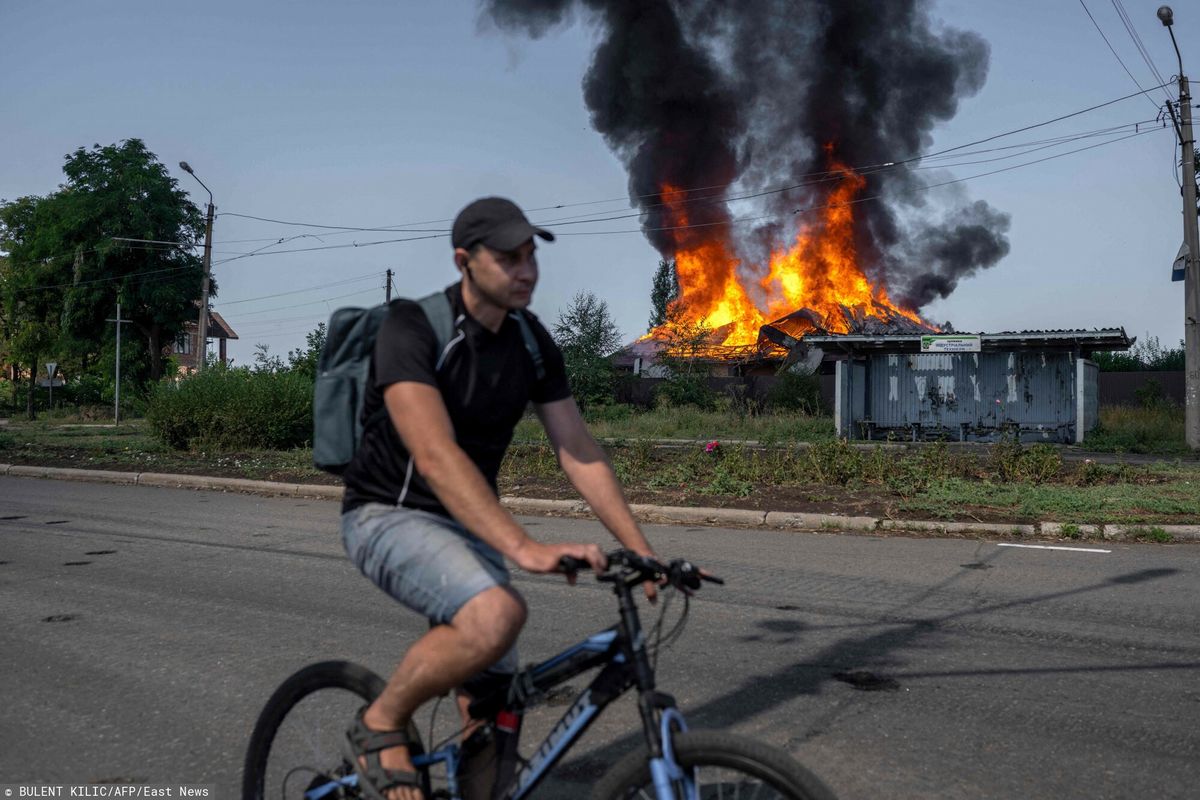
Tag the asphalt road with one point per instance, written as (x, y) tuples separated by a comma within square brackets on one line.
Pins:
[(141, 630)]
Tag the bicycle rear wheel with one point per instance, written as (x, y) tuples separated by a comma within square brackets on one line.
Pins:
[(296, 743), (725, 765)]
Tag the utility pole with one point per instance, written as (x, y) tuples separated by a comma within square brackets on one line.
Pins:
[(1191, 274), (202, 325), (389, 285), (117, 399)]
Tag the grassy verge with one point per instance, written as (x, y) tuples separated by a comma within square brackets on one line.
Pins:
[(1176, 499), (1123, 429), (132, 447), (1010, 483), (626, 423), (1006, 483)]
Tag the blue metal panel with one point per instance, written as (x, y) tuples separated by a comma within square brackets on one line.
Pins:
[(970, 396)]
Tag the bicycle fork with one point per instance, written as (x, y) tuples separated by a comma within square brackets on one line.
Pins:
[(660, 716)]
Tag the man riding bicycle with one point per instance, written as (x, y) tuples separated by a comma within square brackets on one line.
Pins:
[(421, 516)]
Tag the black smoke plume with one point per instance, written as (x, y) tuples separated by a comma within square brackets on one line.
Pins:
[(732, 98)]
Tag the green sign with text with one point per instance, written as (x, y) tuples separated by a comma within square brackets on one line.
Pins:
[(950, 344)]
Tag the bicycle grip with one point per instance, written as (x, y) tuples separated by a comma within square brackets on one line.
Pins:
[(569, 564)]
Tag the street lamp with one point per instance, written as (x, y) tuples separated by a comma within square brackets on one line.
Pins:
[(203, 323), (1191, 274)]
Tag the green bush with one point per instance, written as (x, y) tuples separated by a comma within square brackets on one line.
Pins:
[(835, 462), (608, 412), (795, 392), (686, 390), (233, 409), (1157, 428), (1011, 462)]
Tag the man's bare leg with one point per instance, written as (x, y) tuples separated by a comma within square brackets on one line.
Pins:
[(479, 635)]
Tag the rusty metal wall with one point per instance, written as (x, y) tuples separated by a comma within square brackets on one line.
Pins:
[(969, 396)]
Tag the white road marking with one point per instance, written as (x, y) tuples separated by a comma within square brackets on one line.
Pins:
[(1051, 547)]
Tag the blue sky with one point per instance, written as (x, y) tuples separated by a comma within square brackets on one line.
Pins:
[(375, 114)]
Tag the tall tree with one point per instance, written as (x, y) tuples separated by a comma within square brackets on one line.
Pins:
[(30, 285), (304, 360), (112, 194), (587, 335), (662, 292)]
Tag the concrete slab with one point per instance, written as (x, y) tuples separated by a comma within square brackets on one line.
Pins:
[(1066, 529), (809, 521), (709, 516), (534, 505)]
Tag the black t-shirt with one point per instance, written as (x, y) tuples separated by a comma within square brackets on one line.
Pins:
[(486, 381)]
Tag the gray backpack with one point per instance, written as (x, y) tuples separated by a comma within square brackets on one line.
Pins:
[(345, 363)]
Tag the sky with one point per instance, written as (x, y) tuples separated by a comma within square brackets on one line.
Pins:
[(375, 114)]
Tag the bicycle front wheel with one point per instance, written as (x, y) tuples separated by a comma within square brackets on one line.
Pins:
[(724, 765), (296, 744)]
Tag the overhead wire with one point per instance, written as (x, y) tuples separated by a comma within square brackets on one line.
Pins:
[(312, 303), (869, 169), (1114, 52), (722, 198), (332, 247), (1137, 42), (859, 200), (343, 282), (399, 227), (1137, 38)]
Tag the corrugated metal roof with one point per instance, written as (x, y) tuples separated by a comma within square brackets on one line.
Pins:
[(1098, 339)]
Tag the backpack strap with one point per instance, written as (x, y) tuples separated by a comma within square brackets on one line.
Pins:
[(441, 318), (437, 310), (531, 344)]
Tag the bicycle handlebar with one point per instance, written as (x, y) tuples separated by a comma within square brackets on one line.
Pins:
[(634, 569)]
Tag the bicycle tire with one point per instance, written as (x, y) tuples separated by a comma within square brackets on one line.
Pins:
[(358, 686), (703, 750)]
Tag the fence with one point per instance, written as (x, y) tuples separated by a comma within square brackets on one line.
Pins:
[(1132, 388)]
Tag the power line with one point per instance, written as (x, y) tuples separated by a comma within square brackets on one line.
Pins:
[(388, 229), (858, 200), (399, 227), (739, 219), (103, 280), (1114, 52), (334, 247), (356, 279), (1138, 43), (313, 303), (836, 175)]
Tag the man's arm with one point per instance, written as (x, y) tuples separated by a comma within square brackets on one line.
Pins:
[(588, 469), (419, 416)]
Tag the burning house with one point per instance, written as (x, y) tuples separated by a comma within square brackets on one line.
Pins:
[(776, 153)]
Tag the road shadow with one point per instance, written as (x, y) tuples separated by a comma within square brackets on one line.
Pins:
[(757, 693)]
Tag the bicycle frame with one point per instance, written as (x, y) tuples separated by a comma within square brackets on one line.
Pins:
[(621, 650)]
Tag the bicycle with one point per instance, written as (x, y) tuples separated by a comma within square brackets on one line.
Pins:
[(673, 763)]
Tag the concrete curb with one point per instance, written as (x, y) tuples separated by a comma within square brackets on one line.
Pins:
[(534, 505), (780, 520), (808, 521), (701, 516), (992, 528)]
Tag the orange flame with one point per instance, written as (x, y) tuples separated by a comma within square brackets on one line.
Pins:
[(819, 271)]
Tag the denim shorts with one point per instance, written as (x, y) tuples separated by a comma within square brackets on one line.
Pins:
[(427, 562)]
